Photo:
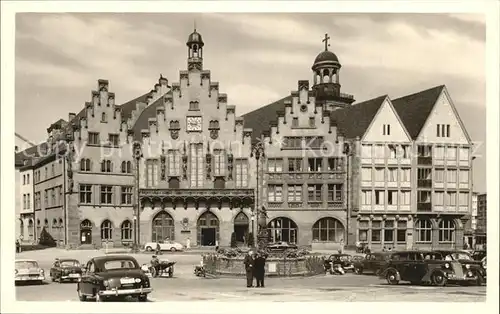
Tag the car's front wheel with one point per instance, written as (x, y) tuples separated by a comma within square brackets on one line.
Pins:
[(358, 270), (143, 298), (149, 249), (392, 277), (439, 279), (173, 249)]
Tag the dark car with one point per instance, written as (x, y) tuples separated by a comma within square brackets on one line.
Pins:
[(419, 267), (372, 263), (344, 260), (468, 263), (113, 276), (478, 255), (66, 269), (281, 246)]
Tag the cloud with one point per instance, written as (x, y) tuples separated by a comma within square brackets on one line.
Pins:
[(247, 96)]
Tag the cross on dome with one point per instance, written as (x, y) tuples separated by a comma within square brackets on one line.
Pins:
[(325, 40)]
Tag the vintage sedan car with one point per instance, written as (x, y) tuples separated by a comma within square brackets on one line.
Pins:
[(344, 260), (468, 263), (281, 246), (113, 276), (164, 246), (66, 269), (478, 255), (412, 266), (28, 270), (372, 263)]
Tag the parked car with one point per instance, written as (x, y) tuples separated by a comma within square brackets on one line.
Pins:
[(412, 266), (372, 263), (478, 255), (164, 246), (343, 260), (113, 276), (66, 269), (281, 246), (28, 270), (468, 263)]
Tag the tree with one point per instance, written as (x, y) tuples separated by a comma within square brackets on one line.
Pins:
[(46, 239), (233, 240)]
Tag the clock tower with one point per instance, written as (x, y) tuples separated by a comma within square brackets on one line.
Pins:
[(195, 51)]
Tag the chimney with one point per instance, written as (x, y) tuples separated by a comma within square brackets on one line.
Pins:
[(71, 116), (17, 149)]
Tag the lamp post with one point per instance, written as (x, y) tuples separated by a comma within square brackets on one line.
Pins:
[(257, 152), (134, 243), (347, 151), (137, 218), (252, 218)]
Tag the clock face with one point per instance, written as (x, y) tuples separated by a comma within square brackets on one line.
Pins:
[(194, 124)]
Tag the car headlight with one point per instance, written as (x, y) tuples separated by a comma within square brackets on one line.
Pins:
[(467, 266), (447, 265), (41, 272), (137, 280)]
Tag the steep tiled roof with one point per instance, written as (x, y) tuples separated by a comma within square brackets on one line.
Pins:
[(259, 119), (143, 120), (353, 121), (414, 109), (129, 106)]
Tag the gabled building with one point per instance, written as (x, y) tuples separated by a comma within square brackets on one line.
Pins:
[(177, 163)]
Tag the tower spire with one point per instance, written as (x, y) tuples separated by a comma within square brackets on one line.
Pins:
[(325, 40), (194, 23)]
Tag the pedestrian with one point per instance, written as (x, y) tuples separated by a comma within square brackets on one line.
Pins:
[(341, 246), (260, 269), (18, 246), (188, 243), (216, 245), (158, 249), (249, 268)]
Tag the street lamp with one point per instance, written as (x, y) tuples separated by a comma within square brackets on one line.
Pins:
[(252, 218), (257, 152), (348, 152), (137, 218)]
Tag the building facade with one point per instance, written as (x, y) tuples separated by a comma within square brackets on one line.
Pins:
[(178, 163), (481, 227)]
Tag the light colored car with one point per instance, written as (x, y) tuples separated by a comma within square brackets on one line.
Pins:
[(164, 246), (27, 270)]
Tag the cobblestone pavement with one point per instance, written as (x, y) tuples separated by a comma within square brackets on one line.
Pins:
[(186, 287)]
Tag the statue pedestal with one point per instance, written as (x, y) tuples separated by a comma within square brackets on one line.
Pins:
[(262, 240)]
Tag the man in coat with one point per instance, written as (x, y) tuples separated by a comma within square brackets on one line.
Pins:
[(249, 268), (260, 269)]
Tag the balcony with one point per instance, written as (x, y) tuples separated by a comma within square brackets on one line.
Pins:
[(424, 207), (335, 204), (424, 183), (424, 160)]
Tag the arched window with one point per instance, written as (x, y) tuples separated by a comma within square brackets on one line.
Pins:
[(46, 224), (104, 118), (126, 167), (163, 227), (423, 230), (38, 229), (86, 232), (21, 228), (85, 164), (126, 230), (446, 230), (328, 230), (86, 224), (326, 76), (54, 226), (106, 166), (30, 228), (61, 223), (283, 229), (106, 230)]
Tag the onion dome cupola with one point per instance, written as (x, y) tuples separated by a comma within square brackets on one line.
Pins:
[(195, 51), (326, 71)]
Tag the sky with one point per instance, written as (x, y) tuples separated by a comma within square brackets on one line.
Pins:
[(257, 58)]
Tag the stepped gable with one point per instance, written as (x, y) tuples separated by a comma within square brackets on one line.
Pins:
[(142, 122), (353, 121), (260, 119), (414, 109)]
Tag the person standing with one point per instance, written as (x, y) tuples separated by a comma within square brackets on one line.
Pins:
[(249, 268), (260, 269)]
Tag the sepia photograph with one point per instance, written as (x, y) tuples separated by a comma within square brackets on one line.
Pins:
[(249, 156)]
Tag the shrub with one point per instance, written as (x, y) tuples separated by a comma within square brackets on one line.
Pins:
[(46, 239), (233, 240)]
